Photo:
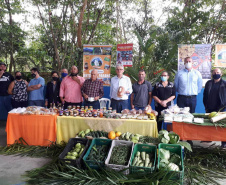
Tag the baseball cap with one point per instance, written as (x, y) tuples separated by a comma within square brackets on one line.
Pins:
[(2, 63)]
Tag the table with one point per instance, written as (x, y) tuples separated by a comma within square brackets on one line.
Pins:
[(188, 131), (68, 126), (34, 129)]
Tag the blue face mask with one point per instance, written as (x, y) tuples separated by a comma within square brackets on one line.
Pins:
[(64, 75), (164, 78)]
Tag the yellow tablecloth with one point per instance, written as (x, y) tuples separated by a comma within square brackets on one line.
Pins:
[(68, 126)]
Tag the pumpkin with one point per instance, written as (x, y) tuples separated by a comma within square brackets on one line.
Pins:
[(111, 135), (117, 133)]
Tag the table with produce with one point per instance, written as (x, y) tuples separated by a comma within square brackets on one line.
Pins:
[(37, 126), (196, 126)]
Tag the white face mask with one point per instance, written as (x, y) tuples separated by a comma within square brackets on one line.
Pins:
[(188, 65)]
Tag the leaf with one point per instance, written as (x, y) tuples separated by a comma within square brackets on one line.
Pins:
[(186, 145)]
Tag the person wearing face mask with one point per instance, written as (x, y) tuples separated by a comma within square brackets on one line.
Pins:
[(5, 99), (163, 93), (188, 83), (53, 90), (18, 89), (141, 95), (36, 89), (70, 89), (64, 73), (214, 96)]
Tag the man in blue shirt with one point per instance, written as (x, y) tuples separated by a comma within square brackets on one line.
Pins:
[(188, 83), (36, 89)]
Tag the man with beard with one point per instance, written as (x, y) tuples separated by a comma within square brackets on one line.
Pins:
[(70, 89), (141, 96)]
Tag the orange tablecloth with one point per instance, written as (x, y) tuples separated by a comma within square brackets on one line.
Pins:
[(35, 129), (197, 132)]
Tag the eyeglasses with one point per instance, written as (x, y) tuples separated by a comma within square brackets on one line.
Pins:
[(164, 75)]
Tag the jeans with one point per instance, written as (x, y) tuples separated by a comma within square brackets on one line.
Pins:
[(16, 104), (36, 103), (137, 108), (119, 105), (95, 104), (190, 102), (5, 106)]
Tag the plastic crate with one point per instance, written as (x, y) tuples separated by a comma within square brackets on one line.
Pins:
[(96, 164), (115, 166), (174, 148), (72, 142), (143, 148)]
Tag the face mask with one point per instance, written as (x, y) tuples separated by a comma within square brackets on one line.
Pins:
[(33, 75), (188, 65), (74, 74), (163, 78), (63, 75), (55, 78), (216, 76), (18, 77)]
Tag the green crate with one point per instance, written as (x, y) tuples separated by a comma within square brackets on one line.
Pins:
[(174, 148), (96, 164), (143, 148)]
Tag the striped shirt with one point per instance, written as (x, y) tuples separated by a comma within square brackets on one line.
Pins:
[(93, 88)]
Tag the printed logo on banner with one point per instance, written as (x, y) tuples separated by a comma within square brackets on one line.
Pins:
[(125, 54), (99, 58), (220, 55)]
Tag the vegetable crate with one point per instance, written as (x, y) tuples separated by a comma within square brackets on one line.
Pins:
[(143, 148), (177, 149), (72, 142), (115, 166), (96, 164)]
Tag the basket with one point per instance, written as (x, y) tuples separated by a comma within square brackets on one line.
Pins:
[(115, 166), (143, 148), (96, 164), (72, 142), (174, 148)]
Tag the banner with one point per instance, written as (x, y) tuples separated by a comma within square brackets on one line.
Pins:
[(201, 57), (220, 55), (97, 57), (125, 54)]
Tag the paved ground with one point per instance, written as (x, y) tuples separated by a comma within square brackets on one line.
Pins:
[(12, 167)]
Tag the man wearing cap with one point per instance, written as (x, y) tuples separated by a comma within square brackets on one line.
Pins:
[(120, 90), (5, 79)]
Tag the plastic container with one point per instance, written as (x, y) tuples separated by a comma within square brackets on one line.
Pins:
[(143, 148), (174, 148), (115, 166), (72, 142), (96, 164)]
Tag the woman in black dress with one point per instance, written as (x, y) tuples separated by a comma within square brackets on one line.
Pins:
[(53, 90)]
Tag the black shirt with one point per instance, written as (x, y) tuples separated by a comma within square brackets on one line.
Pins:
[(5, 80), (163, 93), (141, 93), (214, 98)]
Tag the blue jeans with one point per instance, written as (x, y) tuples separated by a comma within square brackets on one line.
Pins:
[(119, 105), (95, 104), (5, 106), (36, 103), (190, 102)]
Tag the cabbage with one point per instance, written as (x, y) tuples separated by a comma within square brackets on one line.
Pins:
[(173, 167), (163, 132), (164, 154), (174, 138)]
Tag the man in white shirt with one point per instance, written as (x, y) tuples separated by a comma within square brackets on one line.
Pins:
[(120, 90)]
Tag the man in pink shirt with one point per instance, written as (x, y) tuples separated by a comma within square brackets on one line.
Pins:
[(70, 89)]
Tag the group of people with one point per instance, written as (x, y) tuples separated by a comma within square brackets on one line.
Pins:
[(73, 89)]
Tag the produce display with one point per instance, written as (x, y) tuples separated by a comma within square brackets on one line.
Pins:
[(98, 153), (168, 160), (93, 134), (143, 159), (34, 110), (75, 152), (120, 155), (166, 137)]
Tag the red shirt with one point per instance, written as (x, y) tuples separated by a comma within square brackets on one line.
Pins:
[(93, 88), (71, 90)]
